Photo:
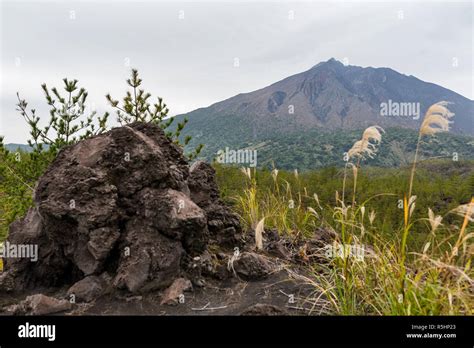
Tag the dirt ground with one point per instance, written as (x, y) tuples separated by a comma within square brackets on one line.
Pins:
[(279, 294)]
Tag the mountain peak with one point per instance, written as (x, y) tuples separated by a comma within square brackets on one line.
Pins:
[(333, 96), (332, 62)]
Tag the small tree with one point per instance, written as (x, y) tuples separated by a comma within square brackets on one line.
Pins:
[(69, 121), (136, 107)]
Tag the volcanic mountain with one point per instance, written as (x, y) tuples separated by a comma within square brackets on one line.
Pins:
[(328, 98)]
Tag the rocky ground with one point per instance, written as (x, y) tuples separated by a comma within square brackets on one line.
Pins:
[(125, 226)]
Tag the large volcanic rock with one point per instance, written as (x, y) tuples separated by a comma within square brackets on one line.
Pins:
[(223, 227), (124, 204)]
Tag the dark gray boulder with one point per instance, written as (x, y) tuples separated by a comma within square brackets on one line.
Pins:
[(223, 225), (89, 288), (123, 202), (252, 266), (39, 304)]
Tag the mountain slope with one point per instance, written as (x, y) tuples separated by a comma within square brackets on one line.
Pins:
[(328, 97), (18, 147)]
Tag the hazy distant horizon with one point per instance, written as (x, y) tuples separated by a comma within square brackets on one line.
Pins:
[(186, 51)]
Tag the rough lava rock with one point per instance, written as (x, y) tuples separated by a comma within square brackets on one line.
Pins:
[(124, 202), (261, 309), (39, 304), (89, 288), (171, 295), (252, 266), (223, 225)]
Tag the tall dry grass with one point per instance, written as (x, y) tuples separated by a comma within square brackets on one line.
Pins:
[(393, 277), (366, 147)]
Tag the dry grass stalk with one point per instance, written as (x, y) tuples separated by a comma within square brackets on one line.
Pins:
[(259, 234), (436, 120), (434, 220)]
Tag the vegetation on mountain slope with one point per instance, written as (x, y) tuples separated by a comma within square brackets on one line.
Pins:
[(312, 149)]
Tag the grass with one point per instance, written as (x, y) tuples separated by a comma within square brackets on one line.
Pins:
[(409, 267), (281, 208), (393, 279), (19, 172)]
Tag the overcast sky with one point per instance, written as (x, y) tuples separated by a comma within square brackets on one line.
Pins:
[(185, 51)]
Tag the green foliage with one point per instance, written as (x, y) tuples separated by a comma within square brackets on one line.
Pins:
[(69, 122), (440, 185), (310, 149), (136, 107), (18, 174)]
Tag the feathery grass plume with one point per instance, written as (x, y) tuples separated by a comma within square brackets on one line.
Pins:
[(373, 133), (426, 247), (465, 210), (361, 148), (275, 174), (434, 220), (436, 120), (246, 172), (372, 216), (314, 212), (365, 147), (259, 234), (341, 210), (316, 198)]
